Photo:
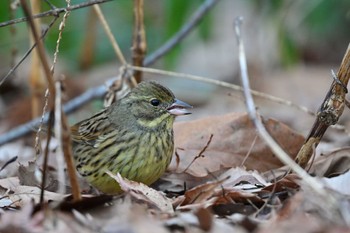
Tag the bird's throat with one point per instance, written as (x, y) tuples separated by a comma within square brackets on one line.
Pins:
[(165, 119)]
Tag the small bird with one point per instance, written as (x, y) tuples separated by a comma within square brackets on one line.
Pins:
[(134, 136)]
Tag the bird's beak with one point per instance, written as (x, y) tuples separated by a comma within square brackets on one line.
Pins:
[(179, 108)]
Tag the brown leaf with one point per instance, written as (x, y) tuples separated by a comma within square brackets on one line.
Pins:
[(333, 163), (288, 182), (233, 137), (201, 193)]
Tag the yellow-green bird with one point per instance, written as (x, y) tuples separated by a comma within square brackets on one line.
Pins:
[(134, 136)]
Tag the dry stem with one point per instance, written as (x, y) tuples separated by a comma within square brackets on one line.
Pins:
[(139, 46), (36, 79), (40, 46), (330, 111)]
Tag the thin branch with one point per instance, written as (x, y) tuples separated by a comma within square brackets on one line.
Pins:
[(60, 31), (13, 69), (283, 156), (8, 162), (195, 19), (249, 151), (46, 158), (37, 144), (109, 33), (200, 154), (40, 47), (329, 201), (55, 12), (64, 147), (62, 126)]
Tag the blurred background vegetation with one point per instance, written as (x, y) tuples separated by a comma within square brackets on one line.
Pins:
[(308, 31), (278, 35), (162, 20)]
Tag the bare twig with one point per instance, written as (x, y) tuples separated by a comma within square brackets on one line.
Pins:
[(61, 123), (60, 31), (109, 34), (64, 148), (329, 202), (46, 158), (249, 151), (40, 46), (139, 46), (124, 73), (55, 12), (278, 151), (330, 111), (200, 154), (8, 162), (37, 144)]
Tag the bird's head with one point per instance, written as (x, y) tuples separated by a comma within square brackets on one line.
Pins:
[(153, 104)]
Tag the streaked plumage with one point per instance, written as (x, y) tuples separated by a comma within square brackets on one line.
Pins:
[(134, 137)]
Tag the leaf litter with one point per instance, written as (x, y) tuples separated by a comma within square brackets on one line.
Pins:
[(224, 178)]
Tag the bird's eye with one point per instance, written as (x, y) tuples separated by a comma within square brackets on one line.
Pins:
[(155, 102)]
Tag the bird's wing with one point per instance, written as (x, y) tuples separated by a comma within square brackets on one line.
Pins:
[(89, 131)]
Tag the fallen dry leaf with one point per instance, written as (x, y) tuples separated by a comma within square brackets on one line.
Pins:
[(26, 194), (9, 183), (142, 192), (241, 179), (20, 195), (233, 137)]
